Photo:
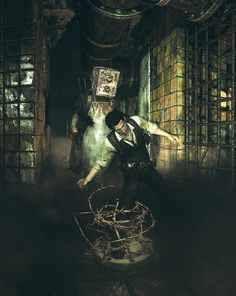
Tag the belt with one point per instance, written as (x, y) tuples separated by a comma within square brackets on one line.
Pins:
[(141, 164)]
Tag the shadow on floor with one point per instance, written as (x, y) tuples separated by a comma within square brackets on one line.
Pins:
[(43, 254)]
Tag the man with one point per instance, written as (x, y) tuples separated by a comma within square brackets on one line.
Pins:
[(128, 140)]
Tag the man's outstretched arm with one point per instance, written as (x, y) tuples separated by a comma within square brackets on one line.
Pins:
[(103, 160), (154, 129), (83, 182), (163, 133)]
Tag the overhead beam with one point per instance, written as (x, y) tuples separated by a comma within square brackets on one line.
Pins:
[(62, 13)]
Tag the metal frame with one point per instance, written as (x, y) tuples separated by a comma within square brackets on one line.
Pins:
[(23, 166), (210, 99)]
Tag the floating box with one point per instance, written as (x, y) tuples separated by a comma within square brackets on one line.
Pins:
[(105, 81)]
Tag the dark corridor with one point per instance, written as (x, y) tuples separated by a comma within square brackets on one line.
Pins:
[(176, 64)]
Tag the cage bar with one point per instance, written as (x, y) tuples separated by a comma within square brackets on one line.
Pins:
[(21, 105), (210, 106)]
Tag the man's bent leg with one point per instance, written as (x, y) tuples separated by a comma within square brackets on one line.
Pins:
[(130, 189), (154, 180), (163, 190)]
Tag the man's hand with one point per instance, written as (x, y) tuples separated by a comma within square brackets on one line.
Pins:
[(82, 183), (174, 139), (73, 135)]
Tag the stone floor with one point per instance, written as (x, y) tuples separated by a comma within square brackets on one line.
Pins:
[(43, 254)]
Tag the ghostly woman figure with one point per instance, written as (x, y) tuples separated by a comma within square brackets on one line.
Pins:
[(80, 121), (95, 135), (88, 132), (97, 102)]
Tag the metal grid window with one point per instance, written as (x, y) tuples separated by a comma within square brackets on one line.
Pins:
[(18, 114), (210, 100)]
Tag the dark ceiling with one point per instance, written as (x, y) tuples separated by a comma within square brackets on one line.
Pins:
[(86, 33)]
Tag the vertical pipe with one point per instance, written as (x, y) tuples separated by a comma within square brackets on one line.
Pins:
[(218, 111), (196, 103), (186, 104), (18, 94), (4, 97), (233, 141), (208, 96)]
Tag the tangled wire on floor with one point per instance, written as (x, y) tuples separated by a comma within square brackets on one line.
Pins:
[(118, 226)]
